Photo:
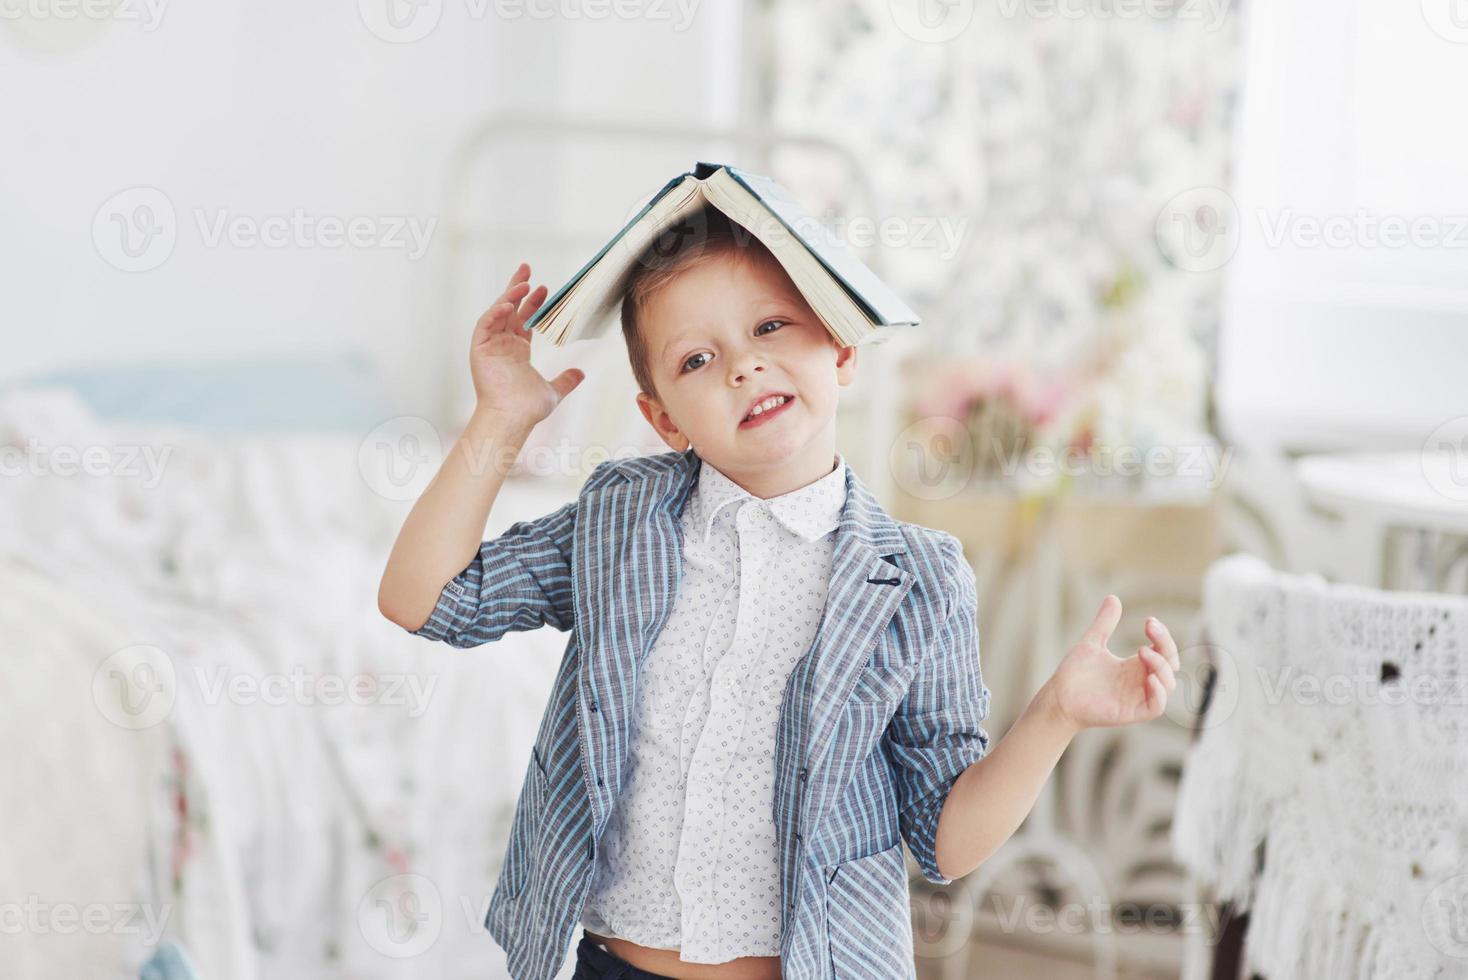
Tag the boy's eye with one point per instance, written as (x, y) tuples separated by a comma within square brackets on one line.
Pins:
[(689, 364)]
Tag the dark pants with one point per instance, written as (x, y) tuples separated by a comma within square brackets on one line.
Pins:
[(595, 963)]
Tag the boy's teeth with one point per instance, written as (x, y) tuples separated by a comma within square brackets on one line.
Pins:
[(765, 405)]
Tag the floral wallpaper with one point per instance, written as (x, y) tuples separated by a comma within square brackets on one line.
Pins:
[(1048, 140)]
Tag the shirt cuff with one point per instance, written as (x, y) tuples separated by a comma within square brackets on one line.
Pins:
[(457, 602)]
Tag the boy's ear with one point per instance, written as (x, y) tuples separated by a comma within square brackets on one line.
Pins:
[(845, 365), (652, 410)]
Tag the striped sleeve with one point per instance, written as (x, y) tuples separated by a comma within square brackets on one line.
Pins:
[(520, 580), (936, 733)]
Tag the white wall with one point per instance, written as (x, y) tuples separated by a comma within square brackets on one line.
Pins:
[(257, 109), (1334, 334)]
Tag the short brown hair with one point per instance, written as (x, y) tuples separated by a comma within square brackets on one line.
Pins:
[(706, 234)]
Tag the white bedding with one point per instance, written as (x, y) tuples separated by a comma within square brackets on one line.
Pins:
[(254, 832)]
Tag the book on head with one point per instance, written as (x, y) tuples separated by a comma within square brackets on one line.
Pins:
[(851, 301)]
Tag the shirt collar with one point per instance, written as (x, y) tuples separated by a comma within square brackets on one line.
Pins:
[(812, 511)]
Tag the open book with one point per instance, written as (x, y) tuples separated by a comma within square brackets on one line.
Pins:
[(854, 304)]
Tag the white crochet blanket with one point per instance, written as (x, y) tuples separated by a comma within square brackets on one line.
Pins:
[(1336, 740), (252, 826)]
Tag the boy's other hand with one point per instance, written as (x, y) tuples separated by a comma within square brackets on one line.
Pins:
[(499, 357), (1094, 687)]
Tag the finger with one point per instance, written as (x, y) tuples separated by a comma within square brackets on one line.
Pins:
[(521, 273), (489, 321), (1163, 642), (1106, 619), (1156, 695), (515, 293), (1159, 666), (497, 315), (531, 304), (565, 382)]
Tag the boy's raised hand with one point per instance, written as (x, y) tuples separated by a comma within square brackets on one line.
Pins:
[(1093, 687), (499, 357)]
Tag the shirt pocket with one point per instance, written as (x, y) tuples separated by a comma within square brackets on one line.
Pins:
[(525, 831), (888, 672), (869, 916), (882, 682)]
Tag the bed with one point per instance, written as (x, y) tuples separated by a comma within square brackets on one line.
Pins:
[(223, 744)]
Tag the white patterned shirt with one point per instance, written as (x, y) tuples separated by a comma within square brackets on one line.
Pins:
[(689, 858)]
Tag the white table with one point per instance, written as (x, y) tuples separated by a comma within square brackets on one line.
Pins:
[(1421, 497)]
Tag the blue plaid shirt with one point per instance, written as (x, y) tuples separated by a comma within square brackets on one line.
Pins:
[(879, 717)]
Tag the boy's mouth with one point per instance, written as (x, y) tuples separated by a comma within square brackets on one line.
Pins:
[(767, 408)]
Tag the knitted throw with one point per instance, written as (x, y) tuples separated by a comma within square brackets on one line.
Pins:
[(1327, 793)]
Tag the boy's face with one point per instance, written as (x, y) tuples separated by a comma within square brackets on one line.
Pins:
[(724, 335)]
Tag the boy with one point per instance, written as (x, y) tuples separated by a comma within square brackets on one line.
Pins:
[(770, 684)]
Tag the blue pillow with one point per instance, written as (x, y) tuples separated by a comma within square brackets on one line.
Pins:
[(261, 394)]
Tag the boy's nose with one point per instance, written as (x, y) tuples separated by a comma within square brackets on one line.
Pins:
[(742, 367)]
